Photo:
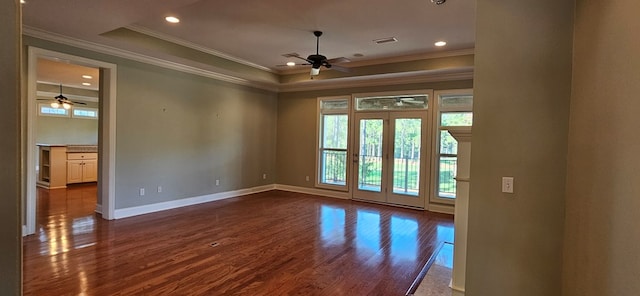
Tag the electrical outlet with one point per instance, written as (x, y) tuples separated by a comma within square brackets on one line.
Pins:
[(507, 184), (159, 189), (217, 182), (264, 176), (307, 178), (141, 191)]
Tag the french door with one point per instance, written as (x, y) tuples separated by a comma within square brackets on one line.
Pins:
[(390, 161)]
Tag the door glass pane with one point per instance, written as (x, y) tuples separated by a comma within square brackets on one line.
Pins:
[(406, 162), (370, 155)]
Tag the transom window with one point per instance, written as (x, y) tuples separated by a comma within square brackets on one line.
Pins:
[(47, 110), (82, 112)]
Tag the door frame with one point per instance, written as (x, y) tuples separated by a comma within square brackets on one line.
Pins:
[(427, 141), (425, 159), (106, 133), (374, 196)]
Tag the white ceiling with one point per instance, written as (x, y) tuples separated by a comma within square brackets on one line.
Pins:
[(259, 31), (70, 75)]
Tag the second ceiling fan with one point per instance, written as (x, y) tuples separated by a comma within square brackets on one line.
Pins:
[(317, 60)]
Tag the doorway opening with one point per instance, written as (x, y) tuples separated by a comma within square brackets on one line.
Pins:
[(48, 169)]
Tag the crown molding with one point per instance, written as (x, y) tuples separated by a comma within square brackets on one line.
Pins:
[(109, 50), (389, 60), (165, 37), (462, 73)]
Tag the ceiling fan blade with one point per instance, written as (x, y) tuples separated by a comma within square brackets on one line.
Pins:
[(306, 60), (79, 103), (338, 60), (340, 69)]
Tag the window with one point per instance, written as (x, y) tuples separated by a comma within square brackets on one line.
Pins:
[(455, 109), (333, 138), (81, 112), (47, 110)]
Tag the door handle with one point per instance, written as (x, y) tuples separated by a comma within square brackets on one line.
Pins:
[(355, 158)]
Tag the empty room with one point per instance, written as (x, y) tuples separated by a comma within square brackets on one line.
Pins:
[(432, 147)]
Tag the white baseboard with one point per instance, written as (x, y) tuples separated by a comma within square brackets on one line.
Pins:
[(314, 191), (444, 209), (99, 209), (174, 204)]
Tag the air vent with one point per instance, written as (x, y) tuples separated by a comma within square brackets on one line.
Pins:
[(386, 40), (291, 55)]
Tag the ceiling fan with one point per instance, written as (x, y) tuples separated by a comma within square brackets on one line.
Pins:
[(61, 100), (317, 60)]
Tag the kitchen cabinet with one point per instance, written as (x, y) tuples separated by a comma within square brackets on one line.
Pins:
[(52, 167), (82, 167)]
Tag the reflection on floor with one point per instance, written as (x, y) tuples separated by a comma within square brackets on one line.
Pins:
[(436, 282), (66, 218), (270, 243)]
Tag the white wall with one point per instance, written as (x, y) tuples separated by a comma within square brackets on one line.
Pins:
[(522, 87)]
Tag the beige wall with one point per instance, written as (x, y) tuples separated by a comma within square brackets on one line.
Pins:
[(183, 132), (67, 130), (297, 115), (521, 110), (602, 235), (10, 223)]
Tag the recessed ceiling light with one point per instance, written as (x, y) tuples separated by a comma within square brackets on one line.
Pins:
[(291, 64), (23, 2), (86, 83), (440, 43), (172, 19), (87, 76)]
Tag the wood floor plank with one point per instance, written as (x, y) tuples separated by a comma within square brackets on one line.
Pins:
[(271, 243)]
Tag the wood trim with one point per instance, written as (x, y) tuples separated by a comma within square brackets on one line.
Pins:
[(314, 191), (441, 208), (174, 204)]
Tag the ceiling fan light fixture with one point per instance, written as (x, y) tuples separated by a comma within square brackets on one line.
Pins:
[(291, 64), (172, 19), (66, 106), (315, 71), (55, 105)]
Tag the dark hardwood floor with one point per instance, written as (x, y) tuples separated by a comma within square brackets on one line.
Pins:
[(272, 243)]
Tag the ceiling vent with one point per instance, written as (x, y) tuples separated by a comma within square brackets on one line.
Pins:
[(386, 40)]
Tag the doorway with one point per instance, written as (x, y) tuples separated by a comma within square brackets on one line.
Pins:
[(105, 137), (391, 155)]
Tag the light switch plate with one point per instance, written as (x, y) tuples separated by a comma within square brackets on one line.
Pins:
[(507, 184)]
